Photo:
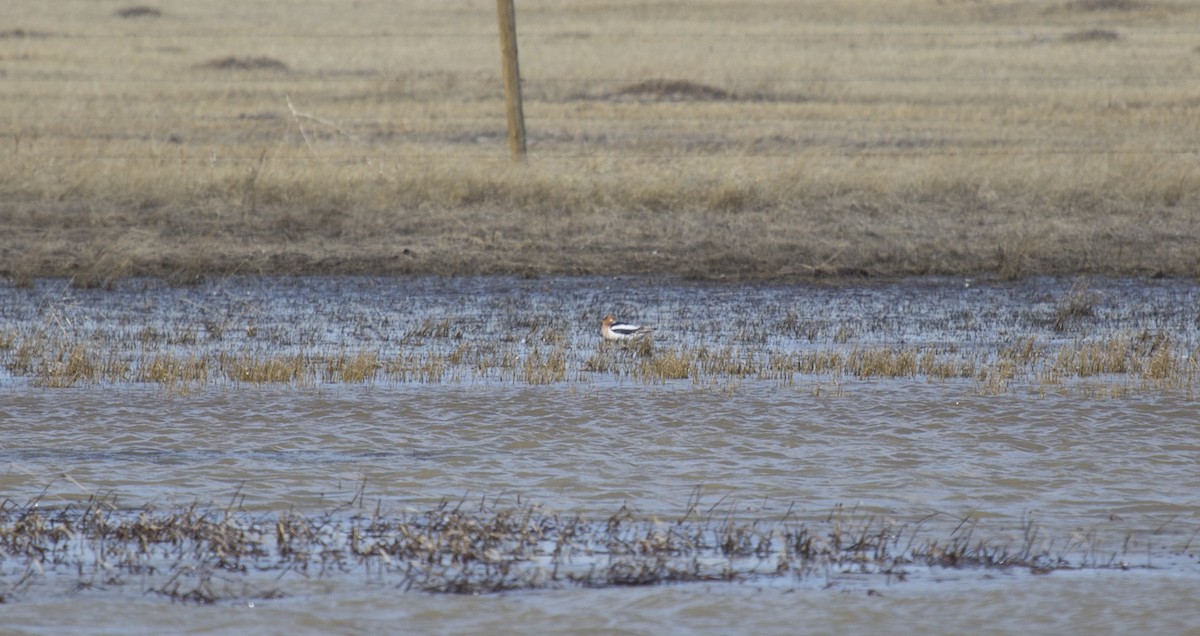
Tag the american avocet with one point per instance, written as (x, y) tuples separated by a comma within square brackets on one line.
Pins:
[(613, 330)]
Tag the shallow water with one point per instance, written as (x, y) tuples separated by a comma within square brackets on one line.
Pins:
[(1109, 476)]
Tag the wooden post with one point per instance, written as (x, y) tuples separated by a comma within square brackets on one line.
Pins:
[(512, 78)]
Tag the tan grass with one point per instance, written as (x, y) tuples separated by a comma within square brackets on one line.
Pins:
[(1093, 358), (170, 369), (1162, 364), (65, 365), (1023, 351), (882, 362), (1114, 364), (353, 368), (431, 368), (69, 366), (727, 362), (21, 357), (821, 362), (265, 369), (847, 137), (997, 379), (667, 364), (602, 361), (544, 368)]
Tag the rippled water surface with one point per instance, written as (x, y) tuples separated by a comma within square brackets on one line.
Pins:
[(1105, 467)]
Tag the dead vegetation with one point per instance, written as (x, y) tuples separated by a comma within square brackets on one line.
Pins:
[(672, 91), (208, 554), (139, 11), (875, 138), (1062, 336), (235, 63)]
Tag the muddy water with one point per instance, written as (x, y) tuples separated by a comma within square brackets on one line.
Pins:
[(1110, 476)]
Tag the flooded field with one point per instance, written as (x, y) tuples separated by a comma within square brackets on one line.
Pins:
[(464, 455)]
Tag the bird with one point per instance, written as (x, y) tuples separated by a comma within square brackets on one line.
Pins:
[(613, 330)]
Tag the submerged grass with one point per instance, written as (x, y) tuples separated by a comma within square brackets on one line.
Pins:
[(265, 369), (1147, 360), (354, 368), (206, 554), (171, 370), (547, 368), (1054, 342)]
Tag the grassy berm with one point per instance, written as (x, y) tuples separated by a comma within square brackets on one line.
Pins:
[(702, 139)]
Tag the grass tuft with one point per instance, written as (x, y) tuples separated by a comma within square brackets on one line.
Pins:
[(1078, 304), (281, 369), (671, 364)]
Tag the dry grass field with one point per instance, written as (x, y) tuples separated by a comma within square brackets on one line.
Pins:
[(705, 138)]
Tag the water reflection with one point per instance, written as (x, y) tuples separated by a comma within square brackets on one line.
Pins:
[(1092, 469)]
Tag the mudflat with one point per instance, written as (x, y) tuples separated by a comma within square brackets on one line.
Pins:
[(704, 140)]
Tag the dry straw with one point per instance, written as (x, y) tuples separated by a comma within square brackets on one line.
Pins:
[(849, 138), (206, 554)]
